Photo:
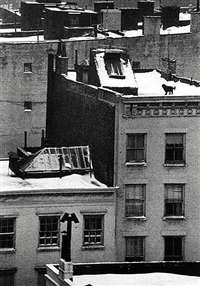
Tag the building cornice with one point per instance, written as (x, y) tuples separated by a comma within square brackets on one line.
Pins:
[(165, 108), (66, 192)]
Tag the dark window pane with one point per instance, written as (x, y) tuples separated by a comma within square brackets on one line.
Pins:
[(173, 248), (134, 249), (169, 155), (174, 148), (7, 279)]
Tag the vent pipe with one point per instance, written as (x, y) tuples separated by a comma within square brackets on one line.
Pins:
[(25, 139)]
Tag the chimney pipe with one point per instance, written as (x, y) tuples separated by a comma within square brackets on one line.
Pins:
[(76, 57), (42, 139), (60, 165), (25, 139)]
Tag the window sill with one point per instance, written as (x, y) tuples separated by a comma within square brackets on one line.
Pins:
[(173, 217), (27, 110), (136, 218), (50, 248), (143, 164), (7, 250), (174, 165), (28, 72), (95, 247)]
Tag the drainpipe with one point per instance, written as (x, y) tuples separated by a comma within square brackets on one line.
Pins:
[(76, 58), (60, 165), (25, 139), (50, 92)]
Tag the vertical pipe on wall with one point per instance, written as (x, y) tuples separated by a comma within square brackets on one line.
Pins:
[(50, 89), (76, 57), (25, 139)]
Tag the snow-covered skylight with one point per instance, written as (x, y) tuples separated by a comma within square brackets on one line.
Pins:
[(106, 80)]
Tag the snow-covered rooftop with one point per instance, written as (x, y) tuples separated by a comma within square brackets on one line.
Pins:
[(147, 279), (128, 34), (10, 182), (150, 84)]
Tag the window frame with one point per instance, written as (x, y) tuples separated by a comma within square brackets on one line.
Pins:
[(89, 244), (174, 201), (134, 257), (135, 65), (174, 257), (175, 162), (13, 233), (74, 19), (45, 245), (113, 65), (133, 201), (28, 68), (135, 161), (28, 105), (5, 273)]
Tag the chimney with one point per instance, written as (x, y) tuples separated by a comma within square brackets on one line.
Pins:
[(61, 65), (152, 26), (61, 59), (50, 92)]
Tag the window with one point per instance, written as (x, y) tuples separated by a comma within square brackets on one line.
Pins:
[(114, 68), (136, 148), (74, 19), (135, 65), (113, 65), (173, 248), (49, 231), (28, 67), (134, 248), (135, 200), (27, 105), (93, 230), (174, 200), (7, 278), (174, 153), (7, 233), (41, 279)]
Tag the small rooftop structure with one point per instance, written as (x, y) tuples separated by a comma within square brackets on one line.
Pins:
[(112, 70), (11, 183), (51, 161)]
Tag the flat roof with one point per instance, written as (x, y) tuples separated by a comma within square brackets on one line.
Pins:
[(10, 182), (148, 279), (150, 84)]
